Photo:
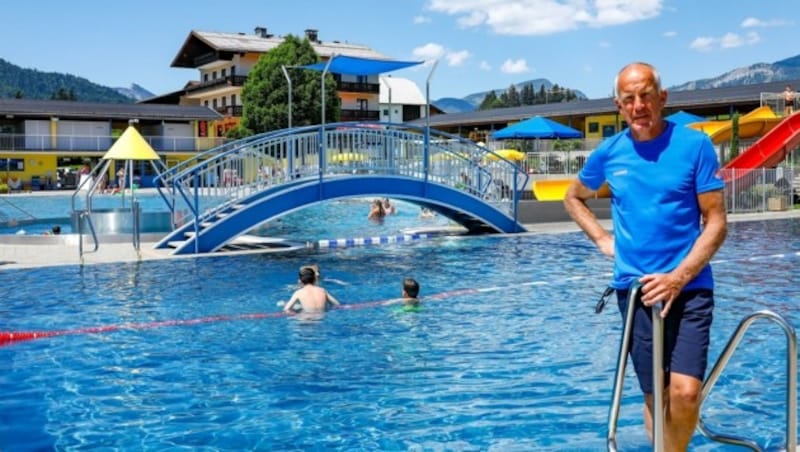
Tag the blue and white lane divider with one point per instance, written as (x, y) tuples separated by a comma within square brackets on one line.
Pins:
[(378, 240)]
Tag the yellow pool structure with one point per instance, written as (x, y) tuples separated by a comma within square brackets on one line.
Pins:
[(753, 124), (556, 189)]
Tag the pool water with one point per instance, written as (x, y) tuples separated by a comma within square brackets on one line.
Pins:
[(315, 222), (505, 354)]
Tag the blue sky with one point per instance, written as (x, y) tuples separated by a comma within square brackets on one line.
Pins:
[(479, 44)]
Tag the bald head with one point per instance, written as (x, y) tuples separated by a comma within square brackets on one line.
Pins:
[(648, 70)]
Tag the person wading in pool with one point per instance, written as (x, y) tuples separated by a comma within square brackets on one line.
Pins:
[(410, 297), (311, 297), (669, 220)]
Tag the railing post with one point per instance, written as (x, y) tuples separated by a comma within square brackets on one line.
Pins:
[(658, 378), (622, 361)]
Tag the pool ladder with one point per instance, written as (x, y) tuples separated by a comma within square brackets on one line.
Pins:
[(658, 378)]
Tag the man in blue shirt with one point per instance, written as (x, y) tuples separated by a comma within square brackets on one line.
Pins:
[(669, 219)]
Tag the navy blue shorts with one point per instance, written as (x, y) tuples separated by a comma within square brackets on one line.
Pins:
[(686, 336)]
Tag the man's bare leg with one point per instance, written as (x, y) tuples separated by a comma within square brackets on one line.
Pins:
[(682, 411)]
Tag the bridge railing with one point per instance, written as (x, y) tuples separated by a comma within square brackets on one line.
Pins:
[(230, 173)]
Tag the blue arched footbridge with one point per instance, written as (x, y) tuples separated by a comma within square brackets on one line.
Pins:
[(240, 185)]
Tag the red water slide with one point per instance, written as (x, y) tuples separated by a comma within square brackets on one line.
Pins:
[(769, 150)]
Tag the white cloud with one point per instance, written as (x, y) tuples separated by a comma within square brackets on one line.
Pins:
[(429, 52), (753, 37), (670, 34), (421, 20), (604, 44), (727, 41), (703, 44), (752, 22), (485, 66), (542, 17), (457, 58), (519, 66), (731, 40)]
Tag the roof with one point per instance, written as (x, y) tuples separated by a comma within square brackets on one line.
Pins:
[(199, 42), (404, 91), (69, 109), (677, 100)]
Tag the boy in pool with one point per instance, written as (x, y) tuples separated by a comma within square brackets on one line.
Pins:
[(410, 294), (311, 297)]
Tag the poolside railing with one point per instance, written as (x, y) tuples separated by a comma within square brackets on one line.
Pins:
[(234, 171), (101, 143)]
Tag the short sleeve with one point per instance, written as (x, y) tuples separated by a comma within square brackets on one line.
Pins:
[(706, 176), (593, 173)]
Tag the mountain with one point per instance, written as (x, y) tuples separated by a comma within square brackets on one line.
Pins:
[(135, 92), (473, 101), (788, 69), (34, 84), (453, 105)]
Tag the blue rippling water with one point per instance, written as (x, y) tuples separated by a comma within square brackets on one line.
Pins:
[(517, 360)]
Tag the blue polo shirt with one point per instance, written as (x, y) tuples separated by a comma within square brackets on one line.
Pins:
[(654, 187)]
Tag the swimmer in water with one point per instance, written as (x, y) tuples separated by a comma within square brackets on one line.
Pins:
[(310, 296)]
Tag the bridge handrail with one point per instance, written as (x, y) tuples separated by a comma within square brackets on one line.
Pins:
[(241, 168)]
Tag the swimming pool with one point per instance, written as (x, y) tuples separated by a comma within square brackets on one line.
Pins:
[(315, 222), (506, 354)]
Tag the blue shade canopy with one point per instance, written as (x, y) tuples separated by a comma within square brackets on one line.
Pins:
[(683, 118), (536, 127), (341, 64)]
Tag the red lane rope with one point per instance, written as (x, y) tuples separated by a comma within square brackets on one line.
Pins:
[(11, 337)]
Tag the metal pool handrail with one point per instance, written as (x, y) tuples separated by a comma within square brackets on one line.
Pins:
[(622, 361), (658, 377), (791, 380)]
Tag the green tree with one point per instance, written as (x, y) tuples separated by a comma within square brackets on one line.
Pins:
[(64, 94), (734, 137), (512, 97), (528, 94), (265, 92), (490, 101)]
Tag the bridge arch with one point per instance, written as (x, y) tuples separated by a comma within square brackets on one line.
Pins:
[(466, 182)]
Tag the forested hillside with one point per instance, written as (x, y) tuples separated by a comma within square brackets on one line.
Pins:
[(17, 82)]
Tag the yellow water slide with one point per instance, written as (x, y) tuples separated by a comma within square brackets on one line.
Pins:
[(753, 124), (556, 189)]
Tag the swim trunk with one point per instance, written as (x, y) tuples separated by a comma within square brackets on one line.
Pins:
[(687, 329)]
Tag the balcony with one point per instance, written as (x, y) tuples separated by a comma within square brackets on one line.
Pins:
[(231, 80), (230, 110), (359, 115), (78, 143), (211, 57), (352, 87)]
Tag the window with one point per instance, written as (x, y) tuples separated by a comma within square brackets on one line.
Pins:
[(205, 77), (12, 164), (608, 130), (206, 103), (223, 73), (363, 104), (594, 127), (233, 99), (214, 103), (224, 101), (214, 75)]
